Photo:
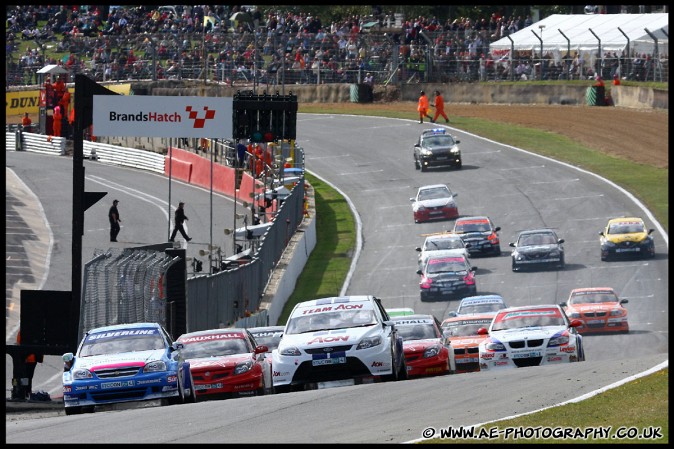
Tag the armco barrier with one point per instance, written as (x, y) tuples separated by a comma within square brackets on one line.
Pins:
[(128, 157), (38, 143)]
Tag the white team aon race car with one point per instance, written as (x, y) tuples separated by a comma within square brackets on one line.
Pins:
[(337, 341)]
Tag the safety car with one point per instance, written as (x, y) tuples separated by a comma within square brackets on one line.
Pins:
[(447, 276), (460, 333), (226, 363), (436, 148), (338, 340), (124, 363), (626, 237), (425, 351), (599, 308), (479, 234), (537, 248), (530, 336), (434, 202)]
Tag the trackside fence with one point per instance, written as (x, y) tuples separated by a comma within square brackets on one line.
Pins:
[(129, 285)]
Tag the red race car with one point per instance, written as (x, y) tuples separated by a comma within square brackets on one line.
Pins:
[(461, 331), (434, 202), (425, 351), (226, 363), (599, 308)]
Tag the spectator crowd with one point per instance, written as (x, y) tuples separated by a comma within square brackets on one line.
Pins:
[(205, 42)]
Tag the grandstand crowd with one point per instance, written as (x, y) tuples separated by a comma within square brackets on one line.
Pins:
[(204, 42)]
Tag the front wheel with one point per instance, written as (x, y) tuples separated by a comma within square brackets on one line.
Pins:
[(74, 411)]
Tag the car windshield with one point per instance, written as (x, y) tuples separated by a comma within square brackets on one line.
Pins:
[(119, 345), (536, 239), (517, 320), (471, 227), (330, 320), (625, 228), (446, 265), (269, 339), (436, 244), (463, 328), (214, 348), (480, 308), (433, 194), (416, 331), (436, 141), (593, 297)]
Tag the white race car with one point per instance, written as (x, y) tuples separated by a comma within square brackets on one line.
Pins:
[(338, 340), (530, 336)]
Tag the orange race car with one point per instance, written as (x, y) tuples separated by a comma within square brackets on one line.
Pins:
[(460, 333), (599, 308)]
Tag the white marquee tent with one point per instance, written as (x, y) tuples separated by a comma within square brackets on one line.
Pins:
[(576, 27)]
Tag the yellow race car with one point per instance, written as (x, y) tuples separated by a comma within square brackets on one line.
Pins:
[(626, 236)]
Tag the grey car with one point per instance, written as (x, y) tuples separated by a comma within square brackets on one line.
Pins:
[(537, 248)]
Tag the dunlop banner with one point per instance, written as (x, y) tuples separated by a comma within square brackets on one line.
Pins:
[(16, 103)]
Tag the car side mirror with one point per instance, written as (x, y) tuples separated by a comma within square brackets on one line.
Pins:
[(601, 233), (497, 228), (457, 141), (261, 349), (512, 244), (482, 331), (560, 241), (468, 245), (473, 268), (68, 357), (451, 314), (454, 195), (177, 346), (624, 301), (562, 304), (650, 230), (416, 145), (412, 200), (419, 271), (418, 248), (576, 323)]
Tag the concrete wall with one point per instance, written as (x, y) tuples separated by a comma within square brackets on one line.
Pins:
[(479, 93)]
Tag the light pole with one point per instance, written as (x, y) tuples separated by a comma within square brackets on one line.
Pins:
[(541, 27)]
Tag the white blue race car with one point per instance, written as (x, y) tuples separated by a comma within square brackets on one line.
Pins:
[(338, 340), (122, 363)]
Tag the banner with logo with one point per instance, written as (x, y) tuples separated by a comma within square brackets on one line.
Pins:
[(160, 116)]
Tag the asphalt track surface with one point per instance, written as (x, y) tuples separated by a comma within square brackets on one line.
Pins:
[(370, 161)]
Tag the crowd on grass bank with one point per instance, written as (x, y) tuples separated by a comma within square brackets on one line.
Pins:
[(201, 42)]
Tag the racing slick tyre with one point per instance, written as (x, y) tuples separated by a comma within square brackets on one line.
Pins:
[(416, 165), (191, 397), (459, 165), (282, 389), (423, 168), (514, 266), (74, 410)]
